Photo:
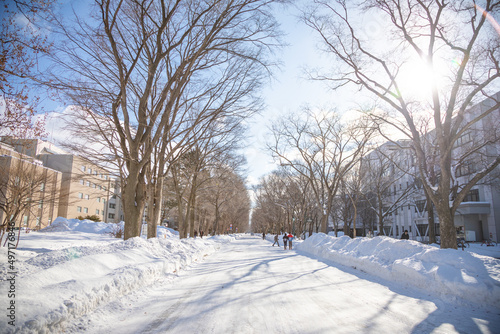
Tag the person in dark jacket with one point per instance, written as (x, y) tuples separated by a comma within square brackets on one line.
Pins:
[(285, 239), (405, 235)]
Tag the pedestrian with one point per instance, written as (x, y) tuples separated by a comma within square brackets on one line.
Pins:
[(285, 239), (290, 238), (263, 236), (201, 234), (276, 240), (405, 235)]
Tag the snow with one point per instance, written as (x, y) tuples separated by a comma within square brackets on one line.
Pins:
[(74, 268)]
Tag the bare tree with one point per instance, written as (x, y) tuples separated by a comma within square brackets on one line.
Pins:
[(383, 169), (22, 42), (26, 190), (430, 31), (321, 148), (159, 70)]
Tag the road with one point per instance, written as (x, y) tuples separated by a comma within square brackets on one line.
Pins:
[(251, 287)]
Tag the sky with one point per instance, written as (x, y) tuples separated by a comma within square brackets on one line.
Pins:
[(74, 277)]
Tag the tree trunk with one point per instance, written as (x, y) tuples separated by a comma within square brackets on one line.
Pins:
[(134, 201), (155, 210), (446, 226), (430, 219)]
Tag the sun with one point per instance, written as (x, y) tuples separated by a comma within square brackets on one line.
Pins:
[(416, 78)]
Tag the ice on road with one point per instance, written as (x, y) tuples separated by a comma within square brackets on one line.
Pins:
[(251, 287)]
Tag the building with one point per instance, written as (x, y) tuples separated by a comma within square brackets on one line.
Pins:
[(84, 190), (29, 191), (404, 201)]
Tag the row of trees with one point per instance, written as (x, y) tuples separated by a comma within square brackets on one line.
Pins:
[(159, 86), (458, 40)]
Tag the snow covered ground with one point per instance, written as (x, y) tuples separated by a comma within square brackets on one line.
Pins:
[(75, 269)]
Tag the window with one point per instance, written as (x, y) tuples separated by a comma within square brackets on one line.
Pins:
[(78, 209), (87, 196), (83, 168), (90, 170), (112, 205), (104, 188), (97, 212), (99, 199), (463, 139), (111, 215), (466, 168), (25, 220), (42, 186), (102, 212), (82, 182), (95, 173), (88, 183), (80, 195), (104, 201), (85, 210), (100, 188), (420, 205), (40, 203), (472, 196), (38, 219)]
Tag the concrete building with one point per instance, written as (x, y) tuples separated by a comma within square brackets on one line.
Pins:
[(478, 217), (84, 190), (29, 191)]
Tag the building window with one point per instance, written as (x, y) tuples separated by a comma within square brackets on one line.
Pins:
[(42, 186), (38, 219), (88, 183), (87, 196), (112, 205), (104, 201), (97, 212), (472, 196), (466, 168), (82, 182), (40, 204), (100, 188), (25, 220), (111, 215), (78, 209), (90, 170), (80, 195), (420, 205), (463, 139), (102, 212), (85, 210), (99, 199), (104, 188), (83, 168)]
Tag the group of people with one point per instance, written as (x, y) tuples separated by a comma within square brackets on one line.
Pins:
[(287, 239)]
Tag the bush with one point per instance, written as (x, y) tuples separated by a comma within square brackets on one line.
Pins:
[(117, 231), (94, 218)]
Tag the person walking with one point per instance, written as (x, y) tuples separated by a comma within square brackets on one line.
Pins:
[(290, 238), (285, 239), (276, 240), (405, 235), (263, 235)]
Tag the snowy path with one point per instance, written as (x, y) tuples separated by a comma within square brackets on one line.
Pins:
[(251, 287)]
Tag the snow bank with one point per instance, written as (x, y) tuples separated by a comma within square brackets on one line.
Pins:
[(57, 285), (446, 272), (88, 226)]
